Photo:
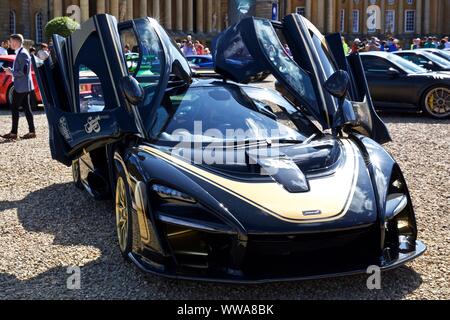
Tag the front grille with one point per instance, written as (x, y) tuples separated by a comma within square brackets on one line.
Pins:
[(311, 254)]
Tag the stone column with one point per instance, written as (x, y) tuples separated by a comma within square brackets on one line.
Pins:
[(143, 8), (130, 9), (288, 7), (84, 7), (364, 15), (331, 16), (57, 8), (101, 6), (383, 16), (156, 9), (419, 16), (179, 19), (426, 16), (168, 15), (190, 15), (308, 7), (199, 14), (350, 17), (114, 8), (218, 18), (209, 13), (401, 21), (321, 15)]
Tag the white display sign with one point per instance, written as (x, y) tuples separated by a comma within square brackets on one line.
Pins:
[(74, 12), (373, 17)]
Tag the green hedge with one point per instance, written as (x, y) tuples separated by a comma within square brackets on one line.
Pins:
[(64, 26)]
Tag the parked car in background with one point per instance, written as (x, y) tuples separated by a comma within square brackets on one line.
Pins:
[(425, 59), (7, 85), (201, 62), (398, 84), (445, 54)]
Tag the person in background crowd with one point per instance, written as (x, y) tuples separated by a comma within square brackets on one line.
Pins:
[(442, 44), (23, 87), (416, 44), (429, 44), (392, 46), (447, 43), (436, 42), (4, 48), (44, 53), (126, 49), (355, 46), (344, 46), (374, 44), (199, 48), (383, 46), (397, 44), (32, 51), (189, 49), (289, 53), (207, 51)]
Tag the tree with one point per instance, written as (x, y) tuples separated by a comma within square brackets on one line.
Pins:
[(64, 26)]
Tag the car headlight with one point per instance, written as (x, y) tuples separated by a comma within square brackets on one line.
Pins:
[(171, 194), (401, 230)]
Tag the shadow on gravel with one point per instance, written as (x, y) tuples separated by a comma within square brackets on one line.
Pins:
[(73, 218)]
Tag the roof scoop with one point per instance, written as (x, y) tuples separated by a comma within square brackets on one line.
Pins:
[(281, 168)]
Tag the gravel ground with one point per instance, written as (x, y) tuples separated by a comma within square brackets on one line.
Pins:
[(47, 225)]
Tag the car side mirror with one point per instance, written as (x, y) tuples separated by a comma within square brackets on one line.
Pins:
[(338, 84), (392, 72), (132, 90)]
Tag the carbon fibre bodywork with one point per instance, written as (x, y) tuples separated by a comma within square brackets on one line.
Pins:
[(336, 204)]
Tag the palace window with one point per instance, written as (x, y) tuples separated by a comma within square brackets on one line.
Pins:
[(342, 21), (390, 21), (12, 22), (355, 23), (301, 11), (410, 20), (38, 25)]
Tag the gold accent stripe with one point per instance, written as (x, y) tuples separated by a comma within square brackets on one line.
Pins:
[(331, 195)]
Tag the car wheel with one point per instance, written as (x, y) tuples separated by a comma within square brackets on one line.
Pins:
[(77, 175), (437, 102), (123, 215)]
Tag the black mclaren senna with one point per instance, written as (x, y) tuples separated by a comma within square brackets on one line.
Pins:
[(220, 181)]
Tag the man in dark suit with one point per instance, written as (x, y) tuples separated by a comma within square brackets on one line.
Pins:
[(23, 88)]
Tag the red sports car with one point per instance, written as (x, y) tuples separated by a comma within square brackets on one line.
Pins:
[(6, 83)]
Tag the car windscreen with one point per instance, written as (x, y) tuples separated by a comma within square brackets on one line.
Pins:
[(442, 53), (436, 59), (406, 65), (220, 113), (296, 77)]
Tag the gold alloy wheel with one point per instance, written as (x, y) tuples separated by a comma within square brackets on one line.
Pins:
[(121, 214), (437, 102)]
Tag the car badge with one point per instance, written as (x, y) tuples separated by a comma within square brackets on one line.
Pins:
[(312, 213), (92, 125), (64, 129)]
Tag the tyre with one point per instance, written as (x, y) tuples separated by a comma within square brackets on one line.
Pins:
[(76, 175), (436, 102), (123, 209)]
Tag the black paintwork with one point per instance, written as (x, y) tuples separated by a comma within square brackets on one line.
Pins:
[(403, 90), (221, 235)]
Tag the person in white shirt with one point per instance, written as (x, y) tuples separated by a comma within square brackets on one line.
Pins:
[(4, 48), (44, 53)]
